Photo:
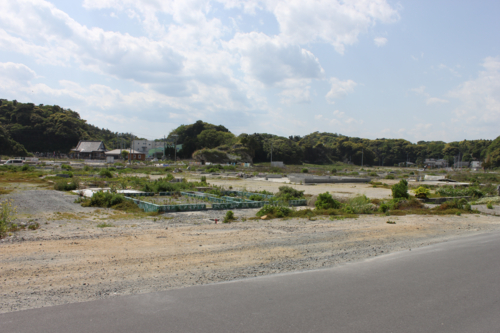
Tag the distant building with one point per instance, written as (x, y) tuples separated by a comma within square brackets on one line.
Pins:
[(134, 154), (93, 150), (435, 163), (476, 165), (277, 164), (461, 165), (145, 145)]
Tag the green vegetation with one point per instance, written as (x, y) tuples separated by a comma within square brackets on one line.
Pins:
[(305, 170), (422, 192), (326, 201), (26, 127), (45, 128), (105, 225), (287, 193), (449, 191), (7, 216), (400, 190), (489, 205), (64, 185), (104, 199), (106, 173), (229, 217)]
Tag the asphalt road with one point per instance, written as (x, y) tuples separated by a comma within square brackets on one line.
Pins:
[(448, 287)]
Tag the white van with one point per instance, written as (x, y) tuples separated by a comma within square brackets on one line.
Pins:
[(14, 162)]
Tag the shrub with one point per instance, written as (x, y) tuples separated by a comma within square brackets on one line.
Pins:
[(305, 170), (64, 185), (326, 201), (360, 205), (229, 216), (373, 174), (274, 211), (334, 170), (203, 179), (422, 192), (390, 177), (287, 193), (26, 168), (489, 205), (7, 216), (104, 199), (87, 168), (66, 167), (105, 173), (400, 190), (256, 197), (448, 191), (105, 225)]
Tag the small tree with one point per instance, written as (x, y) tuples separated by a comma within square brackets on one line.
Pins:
[(124, 154), (326, 201), (400, 190)]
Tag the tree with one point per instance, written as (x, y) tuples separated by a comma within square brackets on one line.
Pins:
[(124, 154)]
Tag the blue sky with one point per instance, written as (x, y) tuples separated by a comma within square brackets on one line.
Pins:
[(418, 70)]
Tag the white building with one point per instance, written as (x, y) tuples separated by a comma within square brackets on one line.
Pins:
[(144, 146)]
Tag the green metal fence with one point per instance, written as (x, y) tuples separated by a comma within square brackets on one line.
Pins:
[(151, 207)]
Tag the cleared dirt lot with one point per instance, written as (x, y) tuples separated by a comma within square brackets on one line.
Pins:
[(70, 259)]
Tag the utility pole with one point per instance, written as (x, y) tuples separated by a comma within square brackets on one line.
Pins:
[(362, 156), (272, 152), (164, 147), (130, 152), (175, 136)]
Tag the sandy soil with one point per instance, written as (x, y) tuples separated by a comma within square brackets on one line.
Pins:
[(71, 260), (341, 190)]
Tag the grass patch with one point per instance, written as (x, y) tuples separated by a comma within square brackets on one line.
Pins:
[(105, 225)]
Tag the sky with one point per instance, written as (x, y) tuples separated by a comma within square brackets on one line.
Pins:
[(417, 70)]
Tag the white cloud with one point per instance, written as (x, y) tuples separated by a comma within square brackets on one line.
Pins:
[(338, 23), (16, 72), (270, 60), (435, 100), (339, 89), (380, 41), (428, 99), (480, 99)]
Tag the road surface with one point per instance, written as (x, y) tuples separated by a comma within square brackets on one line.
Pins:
[(448, 287)]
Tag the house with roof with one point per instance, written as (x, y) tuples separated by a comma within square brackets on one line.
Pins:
[(131, 154), (93, 150)]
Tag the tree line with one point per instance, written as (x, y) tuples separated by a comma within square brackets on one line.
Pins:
[(26, 127)]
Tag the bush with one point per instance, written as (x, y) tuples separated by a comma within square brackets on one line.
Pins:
[(305, 170), (105, 173), (449, 191), (360, 205), (66, 167), (274, 211), (26, 168), (256, 197), (229, 216), (334, 170), (390, 177), (7, 216), (287, 193), (104, 199), (373, 174), (489, 205), (64, 185), (203, 179), (400, 190), (326, 201), (422, 192)]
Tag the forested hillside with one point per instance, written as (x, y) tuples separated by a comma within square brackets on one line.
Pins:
[(25, 128)]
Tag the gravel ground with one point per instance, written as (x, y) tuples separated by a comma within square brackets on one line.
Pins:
[(43, 201), (70, 259)]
